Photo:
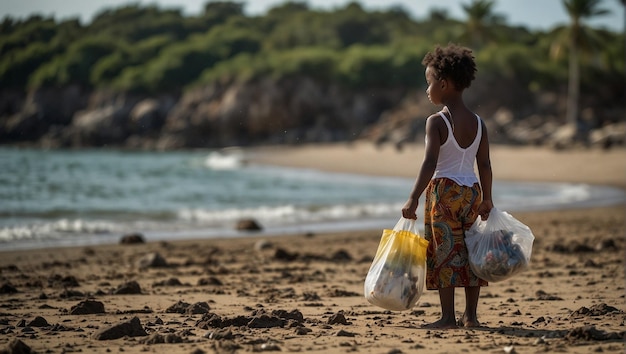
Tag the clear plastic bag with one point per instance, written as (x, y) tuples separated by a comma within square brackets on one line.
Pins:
[(499, 247), (397, 276)]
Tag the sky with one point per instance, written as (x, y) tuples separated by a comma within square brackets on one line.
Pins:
[(534, 14)]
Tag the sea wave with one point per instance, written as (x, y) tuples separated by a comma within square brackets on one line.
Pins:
[(226, 159)]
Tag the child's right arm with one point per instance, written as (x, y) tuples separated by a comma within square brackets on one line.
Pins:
[(431, 154)]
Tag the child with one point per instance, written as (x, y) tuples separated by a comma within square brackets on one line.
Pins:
[(455, 138)]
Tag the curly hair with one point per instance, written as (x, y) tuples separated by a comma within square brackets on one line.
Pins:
[(453, 62)]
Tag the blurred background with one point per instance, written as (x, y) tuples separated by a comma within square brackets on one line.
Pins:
[(171, 75)]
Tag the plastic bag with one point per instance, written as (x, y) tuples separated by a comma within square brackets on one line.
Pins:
[(397, 276), (499, 247)]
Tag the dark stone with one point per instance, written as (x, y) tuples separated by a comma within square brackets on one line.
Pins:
[(265, 321), (168, 282), (338, 318), (152, 260), (130, 328), (132, 239), (132, 287), (592, 333), (284, 255), (87, 307), (7, 288), (198, 308), (248, 225), (16, 346), (157, 338), (38, 322), (210, 281), (341, 256), (179, 307)]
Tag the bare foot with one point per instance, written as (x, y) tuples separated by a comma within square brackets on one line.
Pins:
[(441, 324), (467, 323)]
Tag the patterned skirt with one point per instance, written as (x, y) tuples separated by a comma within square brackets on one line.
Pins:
[(449, 211)]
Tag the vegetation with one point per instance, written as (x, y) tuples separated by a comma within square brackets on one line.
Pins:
[(148, 49)]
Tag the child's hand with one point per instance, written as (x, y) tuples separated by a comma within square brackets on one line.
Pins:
[(484, 208), (409, 208)]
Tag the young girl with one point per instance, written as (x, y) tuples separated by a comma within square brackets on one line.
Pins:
[(455, 138)]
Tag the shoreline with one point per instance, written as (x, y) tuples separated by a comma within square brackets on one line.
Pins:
[(303, 292), (509, 163)]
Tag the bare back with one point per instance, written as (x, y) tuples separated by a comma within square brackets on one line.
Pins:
[(464, 127)]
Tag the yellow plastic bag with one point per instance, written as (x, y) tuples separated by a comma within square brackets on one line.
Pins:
[(397, 276)]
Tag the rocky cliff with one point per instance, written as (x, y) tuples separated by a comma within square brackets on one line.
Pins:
[(288, 111)]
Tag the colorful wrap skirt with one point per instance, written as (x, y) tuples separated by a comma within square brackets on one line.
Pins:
[(450, 210)]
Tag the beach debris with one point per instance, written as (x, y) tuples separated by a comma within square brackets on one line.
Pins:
[(248, 225), (131, 328), (342, 333), (7, 288), (301, 331), (132, 239), (542, 295), (183, 307), (128, 288), (16, 346), (539, 320), (338, 318), (595, 310), (157, 338), (179, 307), (263, 245), (38, 322), (266, 321), (284, 255), (152, 260), (259, 319), (607, 245), (220, 334), (198, 308), (509, 349), (267, 347), (342, 293), (210, 281), (570, 248), (341, 256), (87, 307), (69, 293), (169, 282), (310, 296), (58, 280), (592, 333)]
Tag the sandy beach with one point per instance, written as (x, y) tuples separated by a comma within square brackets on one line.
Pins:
[(304, 293)]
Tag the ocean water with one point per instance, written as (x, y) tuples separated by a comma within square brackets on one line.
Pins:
[(83, 197)]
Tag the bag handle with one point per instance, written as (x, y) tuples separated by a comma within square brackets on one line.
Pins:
[(406, 225)]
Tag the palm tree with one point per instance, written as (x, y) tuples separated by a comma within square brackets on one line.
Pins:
[(480, 16), (579, 37)]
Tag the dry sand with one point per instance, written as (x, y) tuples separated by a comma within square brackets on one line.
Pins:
[(303, 293)]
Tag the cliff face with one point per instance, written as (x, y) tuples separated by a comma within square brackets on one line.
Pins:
[(290, 111)]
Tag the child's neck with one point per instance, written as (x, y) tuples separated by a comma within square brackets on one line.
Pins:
[(455, 102)]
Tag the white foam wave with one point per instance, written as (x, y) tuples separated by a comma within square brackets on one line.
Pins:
[(226, 159), (56, 229), (289, 214)]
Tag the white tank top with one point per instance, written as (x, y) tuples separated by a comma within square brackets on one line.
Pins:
[(455, 162)]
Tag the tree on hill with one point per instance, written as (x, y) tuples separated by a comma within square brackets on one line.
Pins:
[(580, 39)]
